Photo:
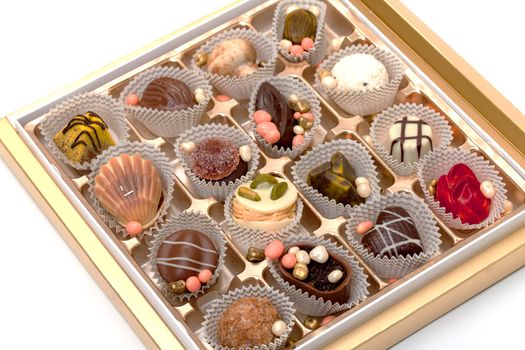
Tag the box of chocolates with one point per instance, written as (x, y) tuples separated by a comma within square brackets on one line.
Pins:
[(285, 174)]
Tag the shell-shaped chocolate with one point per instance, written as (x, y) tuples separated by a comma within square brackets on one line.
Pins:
[(166, 93), (298, 25), (130, 189), (270, 100)]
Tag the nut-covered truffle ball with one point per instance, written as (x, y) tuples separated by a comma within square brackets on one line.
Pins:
[(359, 72), (235, 57), (247, 322)]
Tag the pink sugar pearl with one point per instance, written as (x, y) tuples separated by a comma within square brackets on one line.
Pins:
[(223, 98), (307, 43), (193, 284), (297, 115), (274, 250), (205, 276), (296, 50), (134, 228), (261, 116), (363, 227), (289, 261), (297, 140), (269, 132), (308, 116), (132, 100), (327, 319)]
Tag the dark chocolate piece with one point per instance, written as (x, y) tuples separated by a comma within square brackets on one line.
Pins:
[(393, 235), (167, 93), (185, 253), (270, 100), (316, 283), (299, 24)]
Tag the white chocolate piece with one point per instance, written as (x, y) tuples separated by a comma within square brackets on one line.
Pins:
[(302, 257), (298, 130), (361, 180), (198, 91), (329, 82), (410, 139), (278, 328), (292, 8), (319, 254), (335, 276), (200, 97), (314, 10), (285, 44), (293, 250), (364, 190), (187, 147), (507, 206), (487, 189), (360, 72), (293, 98), (245, 152)]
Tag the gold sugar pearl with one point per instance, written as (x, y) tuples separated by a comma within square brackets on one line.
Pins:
[(177, 287), (301, 106), (300, 271), (432, 187), (201, 58), (255, 254), (312, 322)]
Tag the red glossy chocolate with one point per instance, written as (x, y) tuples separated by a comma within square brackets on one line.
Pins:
[(458, 192)]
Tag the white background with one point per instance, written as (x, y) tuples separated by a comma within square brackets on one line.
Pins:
[(47, 299)]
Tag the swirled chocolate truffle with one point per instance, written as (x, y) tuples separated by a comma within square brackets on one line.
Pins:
[(167, 94)]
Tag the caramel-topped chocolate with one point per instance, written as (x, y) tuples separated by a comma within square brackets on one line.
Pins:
[(167, 93), (185, 253)]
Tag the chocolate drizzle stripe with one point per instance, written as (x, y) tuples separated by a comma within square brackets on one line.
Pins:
[(419, 137), (192, 245), (178, 266), (178, 258)]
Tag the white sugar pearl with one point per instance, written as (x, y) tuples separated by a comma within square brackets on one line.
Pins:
[(487, 189), (298, 130), (367, 139), (334, 43), (302, 257), (285, 44), (335, 276), (292, 8), (200, 98), (278, 328), (329, 82), (507, 206), (364, 190), (245, 152), (293, 98), (315, 10), (198, 91), (187, 147), (293, 250), (361, 180), (319, 254)]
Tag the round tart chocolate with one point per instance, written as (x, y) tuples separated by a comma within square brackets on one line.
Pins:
[(215, 159), (316, 283), (247, 322), (167, 93), (185, 253)]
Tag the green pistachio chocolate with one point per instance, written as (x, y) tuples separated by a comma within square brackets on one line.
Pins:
[(259, 179), (298, 25), (245, 192), (278, 190)]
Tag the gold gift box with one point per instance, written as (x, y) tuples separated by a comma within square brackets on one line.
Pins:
[(482, 121)]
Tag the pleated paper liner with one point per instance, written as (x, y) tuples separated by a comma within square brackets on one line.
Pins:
[(287, 86), (315, 54), (428, 230), (280, 302), (218, 189), (316, 306), (441, 133), (439, 163), (161, 122), (240, 87), (245, 238), (158, 159), (109, 109), (370, 101), (359, 159), (191, 221)]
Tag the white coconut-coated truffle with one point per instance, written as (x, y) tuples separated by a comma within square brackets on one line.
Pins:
[(359, 72)]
